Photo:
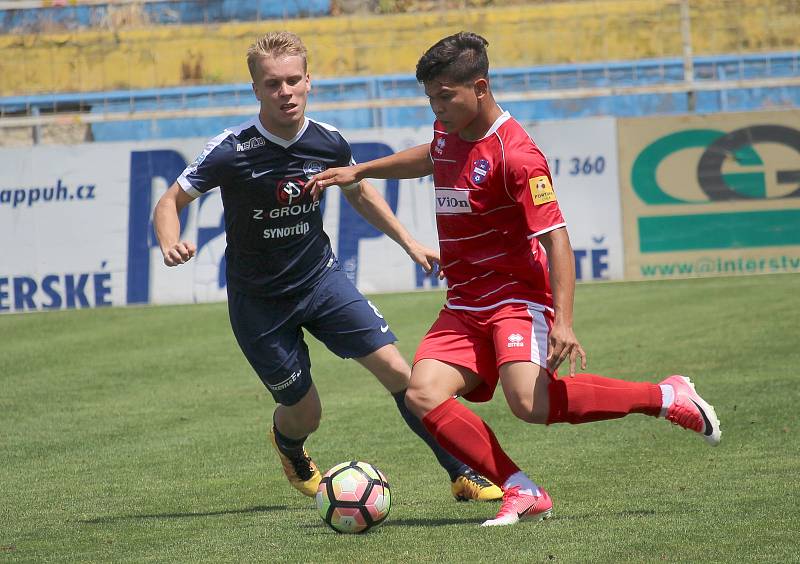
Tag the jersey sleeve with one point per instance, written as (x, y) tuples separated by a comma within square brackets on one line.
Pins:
[(530, 185), (345, 158), (209, 169)]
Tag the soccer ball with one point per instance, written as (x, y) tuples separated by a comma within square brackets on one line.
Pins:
[(353, 497)]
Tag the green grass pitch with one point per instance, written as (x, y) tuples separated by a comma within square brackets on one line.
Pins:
[(139, 435)]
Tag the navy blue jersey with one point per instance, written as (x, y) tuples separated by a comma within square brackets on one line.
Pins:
[(276, 244)]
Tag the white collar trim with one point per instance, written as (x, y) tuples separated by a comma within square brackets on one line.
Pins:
[(504, 117), (280, 140)]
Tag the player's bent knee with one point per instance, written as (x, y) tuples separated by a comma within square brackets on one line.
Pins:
[(419, 402), (522, 411), (528, 411), (539, 415)]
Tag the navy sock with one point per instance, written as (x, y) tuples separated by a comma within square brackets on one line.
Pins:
[(451, 464)]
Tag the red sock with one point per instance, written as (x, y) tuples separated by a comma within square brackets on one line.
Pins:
[(584, 398), (465, 435)]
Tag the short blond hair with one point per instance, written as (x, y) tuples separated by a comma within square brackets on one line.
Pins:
[(275, 44)]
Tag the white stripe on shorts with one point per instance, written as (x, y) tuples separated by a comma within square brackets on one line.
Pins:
[(539, 334)]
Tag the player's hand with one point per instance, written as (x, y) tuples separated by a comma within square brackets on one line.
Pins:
[(426, 257), (563, 344), (179, 253), (341, 176)]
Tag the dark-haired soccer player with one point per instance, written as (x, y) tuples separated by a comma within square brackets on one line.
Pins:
[(511, 281), (282, 276)]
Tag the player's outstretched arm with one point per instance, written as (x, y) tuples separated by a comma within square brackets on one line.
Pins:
[(168, 226), (563, 344), (411, 163), (366, 200)]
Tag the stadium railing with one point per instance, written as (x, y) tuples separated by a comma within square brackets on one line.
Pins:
[(631, 88)]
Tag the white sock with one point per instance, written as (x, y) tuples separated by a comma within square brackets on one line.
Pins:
[(521, 479), (667, 397)]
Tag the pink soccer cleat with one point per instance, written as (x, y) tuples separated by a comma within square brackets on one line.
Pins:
[(522, 504), (690, 411)]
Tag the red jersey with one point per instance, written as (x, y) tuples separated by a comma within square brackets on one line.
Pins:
[(494, 197)]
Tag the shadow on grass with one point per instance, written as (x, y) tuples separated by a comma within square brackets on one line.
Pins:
[(408, 523), (113, 519), (430, 522)]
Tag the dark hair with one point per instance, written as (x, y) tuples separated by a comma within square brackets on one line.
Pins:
[(460, 58)]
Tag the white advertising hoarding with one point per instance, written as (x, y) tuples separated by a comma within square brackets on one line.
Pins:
[(583, 162), (76, 221)]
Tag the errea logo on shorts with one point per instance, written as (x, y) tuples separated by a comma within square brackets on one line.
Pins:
[(515, 340), (286, 383), (450, 200)]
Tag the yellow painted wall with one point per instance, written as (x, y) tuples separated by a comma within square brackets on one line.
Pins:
[(368, 45)]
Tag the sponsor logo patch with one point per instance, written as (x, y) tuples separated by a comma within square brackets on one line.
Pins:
[(450, 201), (292, 231), (541, 190), (254, 174), (251, 144), (290, 190), (192, 168)]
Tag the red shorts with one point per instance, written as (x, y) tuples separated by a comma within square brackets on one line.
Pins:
[(482, 341)]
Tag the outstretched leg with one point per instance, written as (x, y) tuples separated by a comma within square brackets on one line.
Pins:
[(585, 398)]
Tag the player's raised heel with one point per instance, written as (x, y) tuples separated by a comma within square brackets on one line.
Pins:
[(471, 486), (300, 470), (690, 411)]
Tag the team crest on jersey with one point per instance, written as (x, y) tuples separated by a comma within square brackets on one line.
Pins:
[(439, 149), (480, 169), (541, 190), (251, 144), (312, 167), (290, 191)]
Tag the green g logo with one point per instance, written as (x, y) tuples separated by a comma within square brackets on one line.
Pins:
[(719, 146)]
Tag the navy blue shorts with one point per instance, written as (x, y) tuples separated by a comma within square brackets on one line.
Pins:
[(270, 331)]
